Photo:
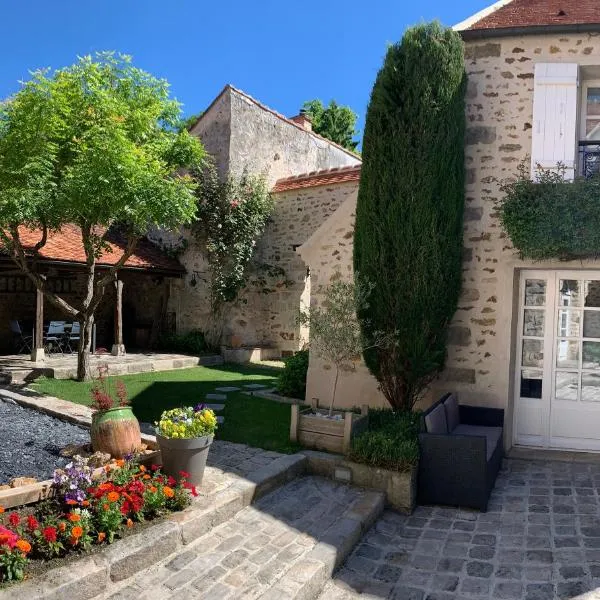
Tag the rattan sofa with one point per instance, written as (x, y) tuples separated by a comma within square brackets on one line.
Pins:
[(461, 453)]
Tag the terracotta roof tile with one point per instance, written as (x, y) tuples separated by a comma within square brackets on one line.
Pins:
[(276, 114), (65, 246), (536, 13), (317, 178)]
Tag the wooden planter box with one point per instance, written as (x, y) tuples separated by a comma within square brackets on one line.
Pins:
[(319, 433)]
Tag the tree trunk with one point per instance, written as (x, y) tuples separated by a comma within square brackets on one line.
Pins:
[(83, 351), (337, 374)]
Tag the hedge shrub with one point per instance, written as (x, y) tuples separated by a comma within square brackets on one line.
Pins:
[(552, 218), (192, 342), (292, 380), (409, 232)]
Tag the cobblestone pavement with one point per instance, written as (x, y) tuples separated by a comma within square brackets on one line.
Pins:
[(246, 556), (539, 540)]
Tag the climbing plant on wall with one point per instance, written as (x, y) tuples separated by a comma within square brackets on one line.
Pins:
[(408, 237), (232, 214)]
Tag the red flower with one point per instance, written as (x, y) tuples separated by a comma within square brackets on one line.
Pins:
[(184, 474), (156, 467), (192, 488), (32, 523), (171, 481), (14, 519), (135, 487), (49, 534)]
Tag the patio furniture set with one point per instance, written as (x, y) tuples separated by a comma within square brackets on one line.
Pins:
[(59, 337)]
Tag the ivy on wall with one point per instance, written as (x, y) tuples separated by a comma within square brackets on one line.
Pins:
[(552, 218)]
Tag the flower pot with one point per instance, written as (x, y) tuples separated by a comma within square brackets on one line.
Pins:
[(187, 454), (115, 431)]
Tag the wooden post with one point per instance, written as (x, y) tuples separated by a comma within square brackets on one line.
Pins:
[(37, 350), (118, 348), (347, 431), (294, 422)]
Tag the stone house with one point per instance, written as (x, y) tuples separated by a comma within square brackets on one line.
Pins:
[(525, 336), (241, 134)]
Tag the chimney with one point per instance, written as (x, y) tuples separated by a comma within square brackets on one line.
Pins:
[(303, 120)]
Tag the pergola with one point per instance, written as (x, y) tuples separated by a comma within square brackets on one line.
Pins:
[(64, 255)]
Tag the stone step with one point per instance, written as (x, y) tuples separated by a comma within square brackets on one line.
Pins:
[(220, 419), (287, 545), (255, 386), (215, 397), (227, 388), (215, 407)]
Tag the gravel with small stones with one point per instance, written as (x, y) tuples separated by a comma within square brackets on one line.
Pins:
[(30, 442)]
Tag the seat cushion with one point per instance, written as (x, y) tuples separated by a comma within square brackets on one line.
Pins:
[(452, 415), (491, 434), (435, 421)]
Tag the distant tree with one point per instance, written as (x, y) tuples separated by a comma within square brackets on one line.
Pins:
[(94, 144), (336, 123), (409, 215)]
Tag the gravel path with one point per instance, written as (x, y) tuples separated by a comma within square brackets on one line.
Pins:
[(30, 442)]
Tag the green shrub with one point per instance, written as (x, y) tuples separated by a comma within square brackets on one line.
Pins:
[(192, 342), (391, 441), (292, 381), (552, 218), (409, 231)]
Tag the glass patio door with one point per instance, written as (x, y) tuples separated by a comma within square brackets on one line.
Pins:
[(558, 360)]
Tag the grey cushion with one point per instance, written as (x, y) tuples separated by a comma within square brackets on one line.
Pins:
[(491, 434), (435, 421), (452, 416)]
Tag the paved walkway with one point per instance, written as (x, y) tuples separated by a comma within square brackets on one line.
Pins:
[(264, 551), (539, 540)]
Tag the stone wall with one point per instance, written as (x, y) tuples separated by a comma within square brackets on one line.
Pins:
[(499, 123)]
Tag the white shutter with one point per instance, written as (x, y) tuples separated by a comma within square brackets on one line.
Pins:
[(554, 135)]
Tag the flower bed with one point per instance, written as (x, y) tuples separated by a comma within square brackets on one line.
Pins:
[(87, 510)]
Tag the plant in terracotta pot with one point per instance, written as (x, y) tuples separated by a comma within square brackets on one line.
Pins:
[(184, 436), (115, 429)]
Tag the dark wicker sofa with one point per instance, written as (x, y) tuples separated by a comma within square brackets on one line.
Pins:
[(461, 453)]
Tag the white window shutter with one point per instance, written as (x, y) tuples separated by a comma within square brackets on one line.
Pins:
[(554, 132)]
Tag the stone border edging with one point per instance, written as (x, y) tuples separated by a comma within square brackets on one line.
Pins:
[(399, 488), (139, 551)]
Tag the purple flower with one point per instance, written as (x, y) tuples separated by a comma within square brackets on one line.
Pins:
[(199, 407)]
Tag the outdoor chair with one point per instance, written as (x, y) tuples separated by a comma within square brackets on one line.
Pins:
[(461, 453), (21, 342), (55, 337), (72, 337)]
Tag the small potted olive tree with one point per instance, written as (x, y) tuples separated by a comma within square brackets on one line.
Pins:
[(184, 436), (335, 336)]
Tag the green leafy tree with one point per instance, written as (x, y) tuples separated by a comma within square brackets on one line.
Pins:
[(408, 234), (94, 144), (189, 122), (336, 334), (336, 123)]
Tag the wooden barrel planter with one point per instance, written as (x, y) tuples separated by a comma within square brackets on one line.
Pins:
[(115, 431), (332, 435)]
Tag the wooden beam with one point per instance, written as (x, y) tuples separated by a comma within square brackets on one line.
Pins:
[(37, 350), (118, 348)]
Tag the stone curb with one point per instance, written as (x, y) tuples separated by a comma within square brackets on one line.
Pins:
[(90, 576), (307, 578)]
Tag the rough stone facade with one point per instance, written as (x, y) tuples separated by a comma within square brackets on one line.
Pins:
[(241, 134)]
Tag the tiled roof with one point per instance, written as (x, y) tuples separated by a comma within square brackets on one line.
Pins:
[(534, 13), (65, 246), (276, 114), (316, 178)]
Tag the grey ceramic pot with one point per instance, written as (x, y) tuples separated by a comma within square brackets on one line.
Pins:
[(187, 455)]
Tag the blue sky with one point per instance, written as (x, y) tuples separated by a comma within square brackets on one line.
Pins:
[(282, 53)]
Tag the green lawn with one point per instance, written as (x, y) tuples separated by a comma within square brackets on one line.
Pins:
[(250, 420)]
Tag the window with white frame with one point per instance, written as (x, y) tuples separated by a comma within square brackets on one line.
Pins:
[(589, 135)]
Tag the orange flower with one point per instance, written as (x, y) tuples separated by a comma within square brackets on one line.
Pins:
[(153, 489), (168, 492), (106, 468), (105, 506), (142, 468), (74, 518), (85, 503), (73, 541), (1, 509), (129, 523), (146, 476), (101, 536), (24, 546), (77, 532), (120, 462), (62, 526), (72, 502), (113, 496)]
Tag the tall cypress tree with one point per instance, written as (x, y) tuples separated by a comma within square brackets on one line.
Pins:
[(408, 235)]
